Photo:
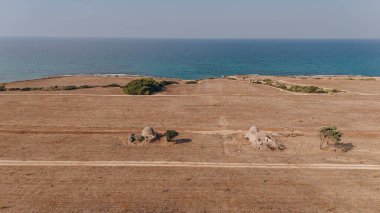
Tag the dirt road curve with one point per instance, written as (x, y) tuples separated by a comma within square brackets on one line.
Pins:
[(187, 164)]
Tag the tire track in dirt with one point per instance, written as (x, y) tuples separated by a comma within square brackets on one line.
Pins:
[(106, 131), (128, 130), (8, 163)]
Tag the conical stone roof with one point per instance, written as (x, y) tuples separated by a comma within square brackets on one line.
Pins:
[(148, 131)]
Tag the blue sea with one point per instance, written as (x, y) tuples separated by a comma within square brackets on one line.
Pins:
[(28, 58)]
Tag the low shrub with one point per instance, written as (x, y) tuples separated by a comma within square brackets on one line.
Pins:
[(191, 82), (140, 138), (336, 90), (112, 85), (86, 86), (306, 89), (26, 89), (268, 81), (2, 87), (37, 88), (170, 135), (143, 86), (313, 89), (70, 87), (330, 134), (294, 88), (281, 85)]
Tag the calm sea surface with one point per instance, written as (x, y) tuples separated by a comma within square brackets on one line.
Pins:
[(26, 58)]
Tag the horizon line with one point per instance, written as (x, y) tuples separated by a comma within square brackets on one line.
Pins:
[(180, 38)]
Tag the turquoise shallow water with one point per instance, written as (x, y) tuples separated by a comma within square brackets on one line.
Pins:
[(26, 58)]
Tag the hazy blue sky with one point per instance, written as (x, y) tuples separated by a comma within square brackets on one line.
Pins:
[(192, 18)]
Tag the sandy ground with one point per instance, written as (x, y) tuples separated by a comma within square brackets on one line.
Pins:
[(68, 133)]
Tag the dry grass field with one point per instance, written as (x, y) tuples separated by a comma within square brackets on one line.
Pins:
[(91, 126)]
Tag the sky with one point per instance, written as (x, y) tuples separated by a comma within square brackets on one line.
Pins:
[(269, 19)]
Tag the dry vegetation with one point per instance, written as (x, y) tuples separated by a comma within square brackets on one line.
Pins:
[(294, 87), (2, 87), (92, 124)]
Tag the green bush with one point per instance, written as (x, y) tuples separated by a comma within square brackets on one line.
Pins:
[(143, 86), (70, 87), (26, 89), (313, 89), (112, 85), (86, 86), (170, 134), (295, 88), (191, 82), (281, 86), (267, 81), (306, 89), (140, 138), (2, 87), (37, 88), (331, 134)]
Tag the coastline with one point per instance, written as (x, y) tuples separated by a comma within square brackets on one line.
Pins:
[(98, 83), (182, 79)]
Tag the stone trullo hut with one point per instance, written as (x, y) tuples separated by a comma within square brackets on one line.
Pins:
[(262, 141)]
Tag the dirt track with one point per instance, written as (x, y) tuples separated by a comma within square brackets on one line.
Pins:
[(188, 164)]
